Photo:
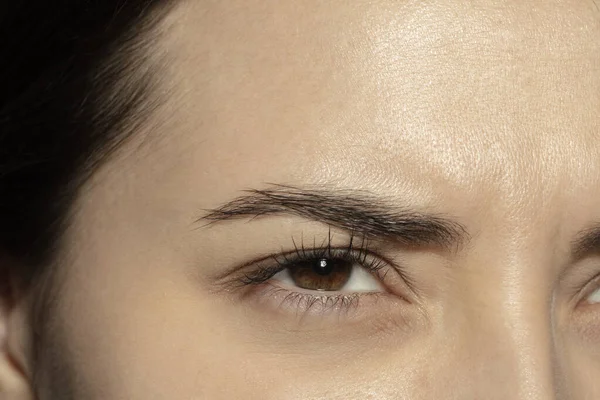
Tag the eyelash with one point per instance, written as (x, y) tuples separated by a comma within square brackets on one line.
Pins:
[(361, 255), (358, 252)]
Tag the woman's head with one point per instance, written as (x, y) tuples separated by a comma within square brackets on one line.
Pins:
[(273, 199)]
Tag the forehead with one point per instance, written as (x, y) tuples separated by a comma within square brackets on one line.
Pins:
[(488, 96)]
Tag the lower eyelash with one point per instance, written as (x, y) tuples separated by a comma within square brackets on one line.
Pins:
[(306, 303)]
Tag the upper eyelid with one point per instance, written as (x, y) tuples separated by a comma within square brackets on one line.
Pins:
[(288, 257), (324, 251), (314, 252), (320, 252), (325, 244)]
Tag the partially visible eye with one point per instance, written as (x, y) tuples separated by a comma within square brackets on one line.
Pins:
[(594, 297), (327, 275)]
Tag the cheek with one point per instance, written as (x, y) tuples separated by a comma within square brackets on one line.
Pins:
[(160, 337), (142, 338)]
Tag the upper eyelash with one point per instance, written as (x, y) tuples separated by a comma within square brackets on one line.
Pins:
[(351, 252)]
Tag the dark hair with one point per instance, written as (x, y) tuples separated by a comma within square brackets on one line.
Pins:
[(76, 81)]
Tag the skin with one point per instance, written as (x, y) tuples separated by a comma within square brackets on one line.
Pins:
[(484, 112)]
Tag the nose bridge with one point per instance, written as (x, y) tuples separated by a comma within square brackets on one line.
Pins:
[(510, 335), (529, 354)]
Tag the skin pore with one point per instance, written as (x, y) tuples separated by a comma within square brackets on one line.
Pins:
[(481, 116)]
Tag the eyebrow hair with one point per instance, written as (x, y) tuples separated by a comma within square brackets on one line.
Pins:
[(356, 211), (586, 243)]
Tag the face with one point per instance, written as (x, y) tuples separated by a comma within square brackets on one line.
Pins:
[(347, 200)]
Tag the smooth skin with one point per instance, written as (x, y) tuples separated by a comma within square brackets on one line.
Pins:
[(484, 112)]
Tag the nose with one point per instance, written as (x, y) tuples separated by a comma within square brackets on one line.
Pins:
[(506, 340)]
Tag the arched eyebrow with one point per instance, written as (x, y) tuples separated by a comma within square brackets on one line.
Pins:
[(355, 211)]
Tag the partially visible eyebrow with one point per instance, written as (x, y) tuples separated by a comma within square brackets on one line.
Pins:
[(351, 210), (586, 243)]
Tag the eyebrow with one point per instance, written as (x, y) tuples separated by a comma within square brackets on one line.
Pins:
[(586, 243), (356, 211)]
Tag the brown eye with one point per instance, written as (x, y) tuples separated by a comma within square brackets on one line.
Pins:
[(322, 274)]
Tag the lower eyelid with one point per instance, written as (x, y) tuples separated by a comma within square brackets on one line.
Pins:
[(330, 318), (281, 303), (307, 302)]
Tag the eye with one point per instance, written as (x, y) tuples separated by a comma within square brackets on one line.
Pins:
[(594, 297), (325, 281), (328, 275)]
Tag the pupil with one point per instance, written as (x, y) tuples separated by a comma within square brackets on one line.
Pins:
[(323, 267)]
